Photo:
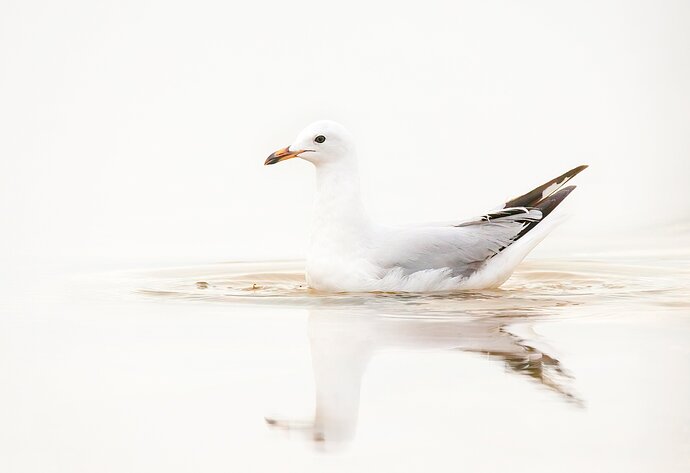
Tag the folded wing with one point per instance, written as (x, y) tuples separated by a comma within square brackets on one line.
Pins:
[(466, 246)]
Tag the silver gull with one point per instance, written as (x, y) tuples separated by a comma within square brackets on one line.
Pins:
[(351, 253)]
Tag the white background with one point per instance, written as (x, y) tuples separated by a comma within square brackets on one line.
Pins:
[(133, 133), (138, 130)]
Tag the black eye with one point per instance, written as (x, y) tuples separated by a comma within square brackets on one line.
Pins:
[(320, 139)]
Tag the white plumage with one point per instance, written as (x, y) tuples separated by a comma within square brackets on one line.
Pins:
[(350, 253)]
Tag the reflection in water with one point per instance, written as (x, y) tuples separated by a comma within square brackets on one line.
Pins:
[(343, 342), (346, 330)]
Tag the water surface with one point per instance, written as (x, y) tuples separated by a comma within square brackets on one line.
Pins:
[(573, 365)]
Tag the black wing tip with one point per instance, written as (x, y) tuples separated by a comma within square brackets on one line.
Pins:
[(498, 215), (536, 195), (576, 170), (551, 202), (573, 172), (546, 206)]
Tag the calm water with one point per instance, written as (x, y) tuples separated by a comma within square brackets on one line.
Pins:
[(572, 365)]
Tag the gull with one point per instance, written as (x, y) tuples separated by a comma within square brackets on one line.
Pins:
[(349, 252)]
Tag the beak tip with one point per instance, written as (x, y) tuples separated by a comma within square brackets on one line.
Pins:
[(281, 155)]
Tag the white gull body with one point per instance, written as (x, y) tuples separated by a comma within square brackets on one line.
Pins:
[(351, 253)]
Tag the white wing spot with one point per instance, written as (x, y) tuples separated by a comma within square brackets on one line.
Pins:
[(552, 188)]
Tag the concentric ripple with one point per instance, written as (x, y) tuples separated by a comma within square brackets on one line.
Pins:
[(534, 286)]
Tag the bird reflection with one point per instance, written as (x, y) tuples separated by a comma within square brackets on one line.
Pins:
[(343, 342)]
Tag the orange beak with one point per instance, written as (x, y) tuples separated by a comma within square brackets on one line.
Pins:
[(282, 155)]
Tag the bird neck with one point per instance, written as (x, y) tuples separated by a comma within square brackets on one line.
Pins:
[(338, 200)]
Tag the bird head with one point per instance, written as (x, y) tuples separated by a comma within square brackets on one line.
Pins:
[(322, 142)]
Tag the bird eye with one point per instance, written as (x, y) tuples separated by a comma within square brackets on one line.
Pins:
[(320, 139)]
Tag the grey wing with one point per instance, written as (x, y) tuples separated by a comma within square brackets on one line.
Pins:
[(465, 247), (462, 248)]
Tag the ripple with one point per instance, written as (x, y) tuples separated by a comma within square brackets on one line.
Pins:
[(535, 286)]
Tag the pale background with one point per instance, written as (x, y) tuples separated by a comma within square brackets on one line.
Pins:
[(133, 136), (137, 131)]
